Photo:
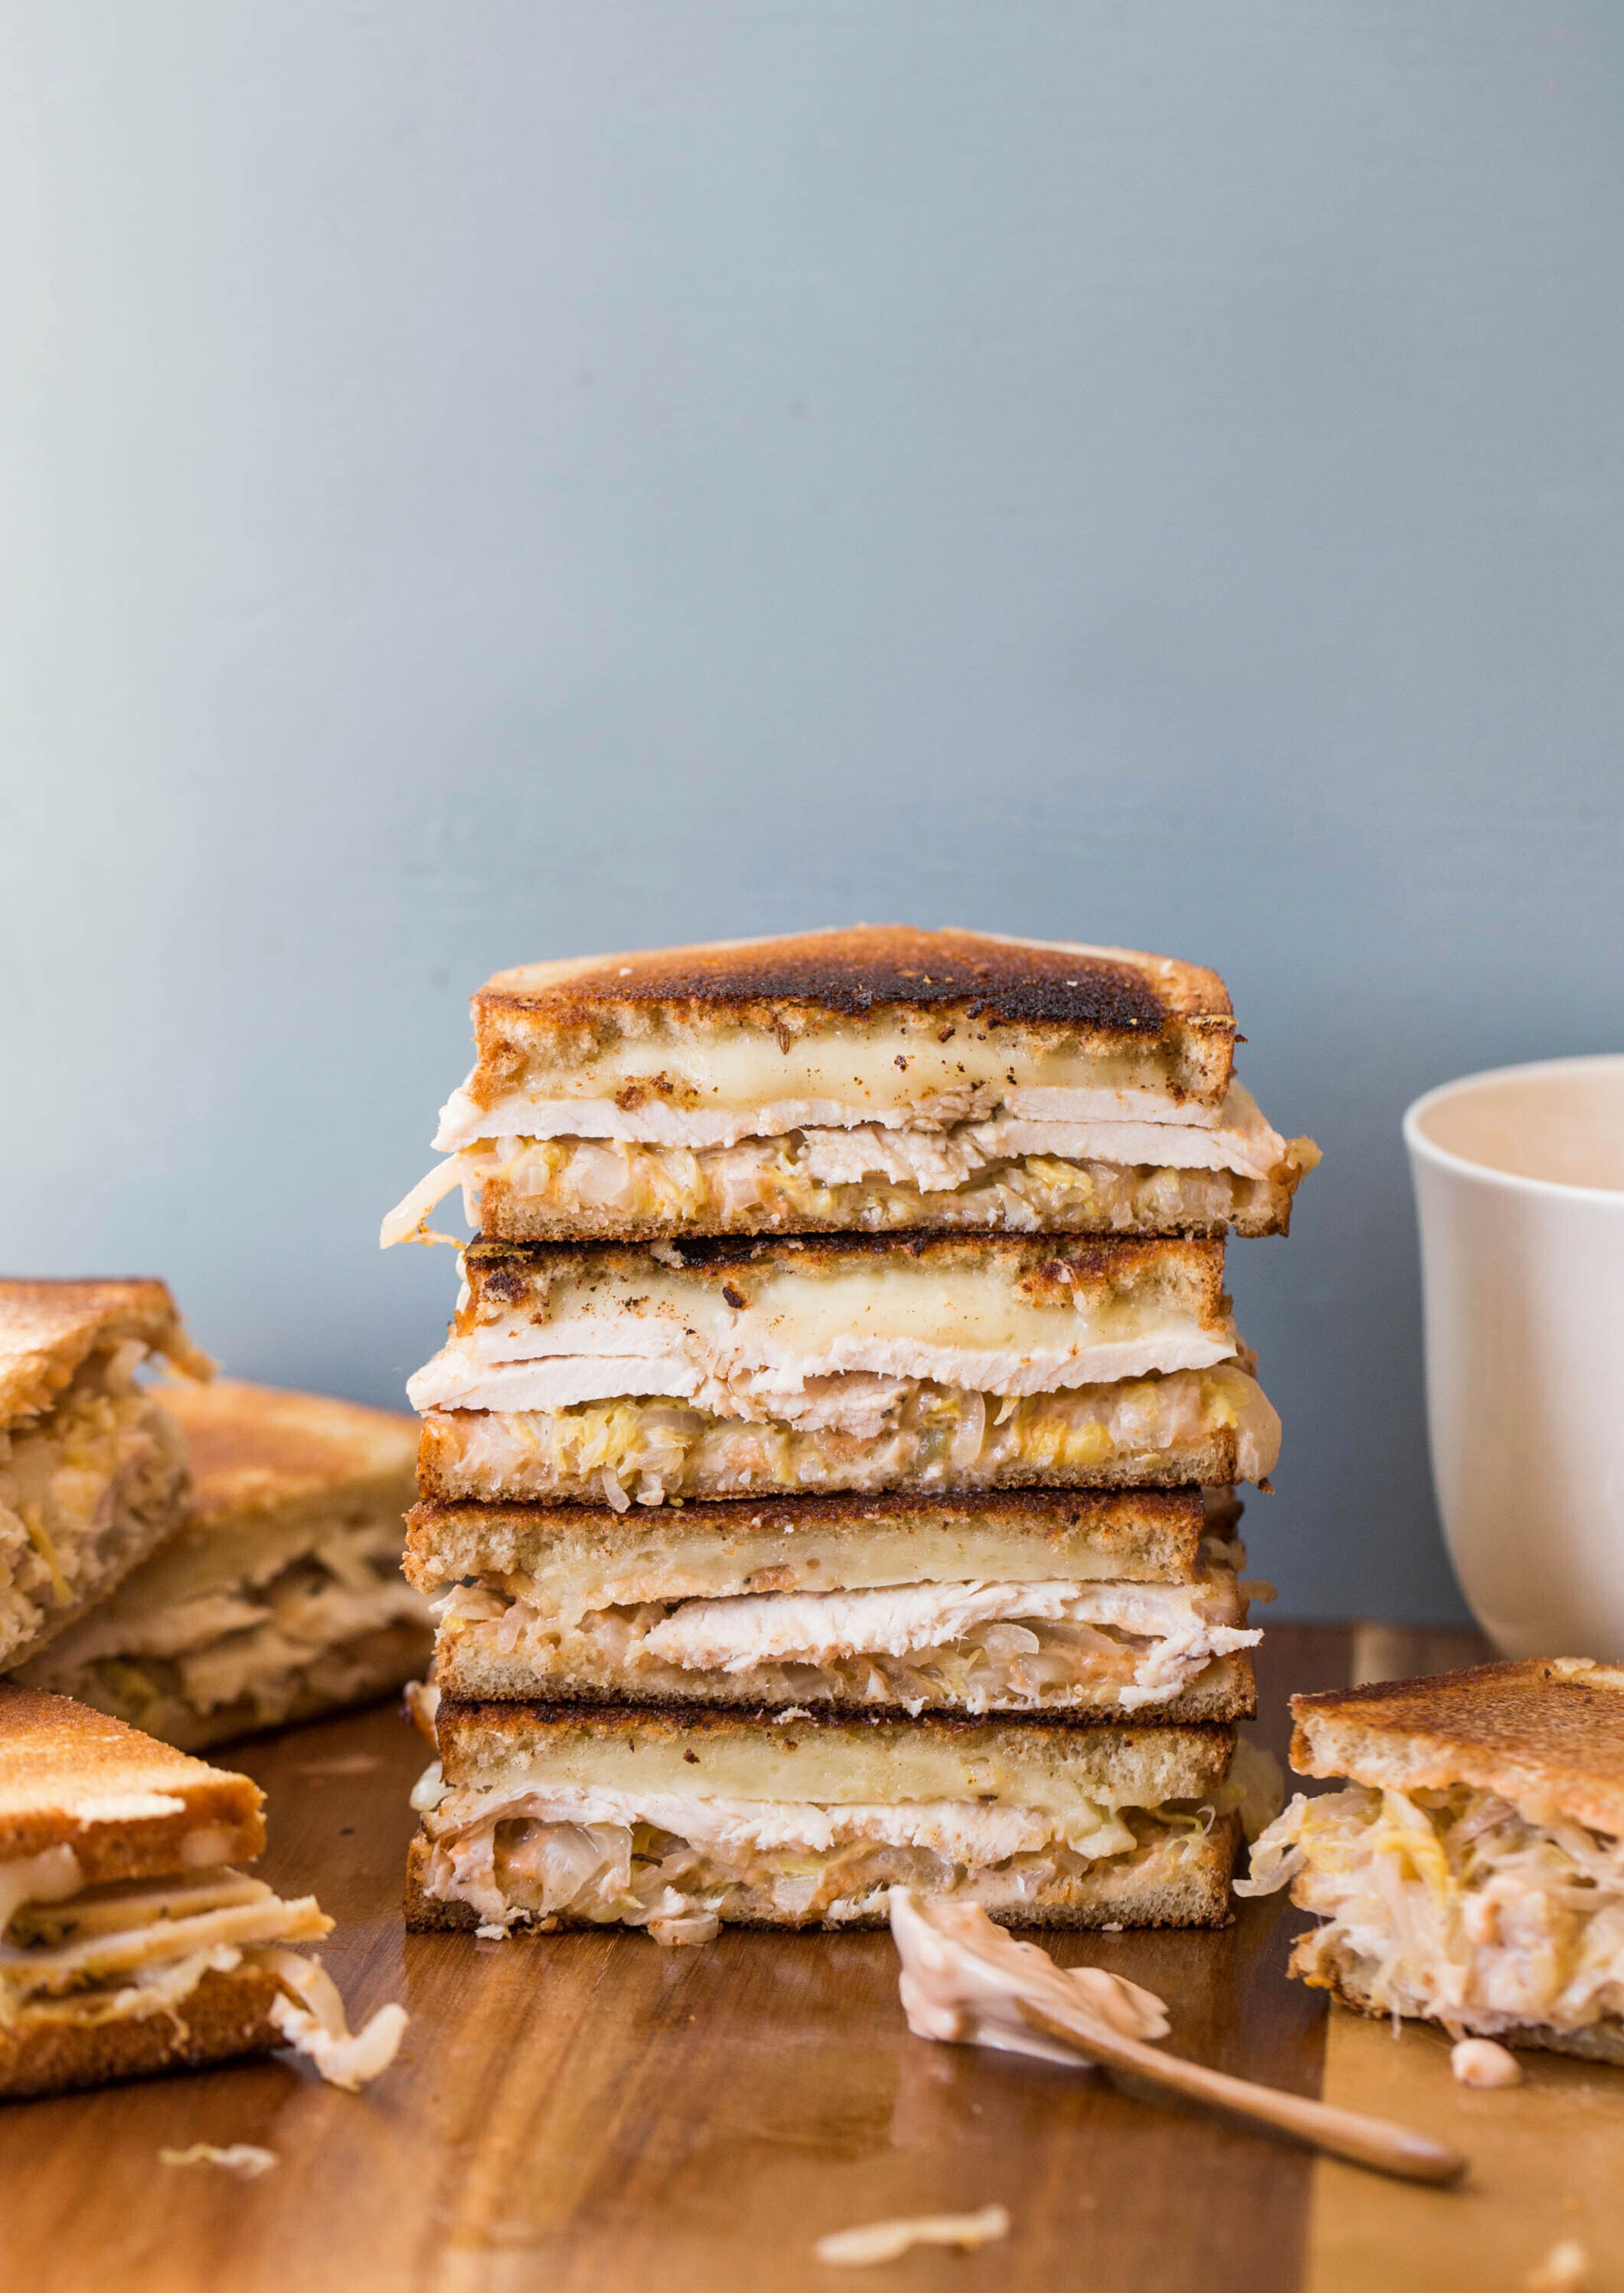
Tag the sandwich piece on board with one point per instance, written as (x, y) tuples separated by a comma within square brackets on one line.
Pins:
[(128, 1942), (620, 1374), (540, 1816), (863, 1080), (1472, 1874), (282, 1597), (1102, 1605), (93, 1470)]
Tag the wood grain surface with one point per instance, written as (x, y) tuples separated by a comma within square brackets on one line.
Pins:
[(1546, 2169), (589, 2111)]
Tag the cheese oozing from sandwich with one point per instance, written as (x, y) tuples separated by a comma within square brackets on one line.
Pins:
[(1451, 1905)]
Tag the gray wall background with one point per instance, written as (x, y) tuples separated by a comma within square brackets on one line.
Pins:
[(494, 480)]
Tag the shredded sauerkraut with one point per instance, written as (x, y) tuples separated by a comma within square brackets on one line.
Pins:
[(1007, 1172), (925, 1436), (1452, 1906), (83, 1492), (521, 1859), (795, 1182)]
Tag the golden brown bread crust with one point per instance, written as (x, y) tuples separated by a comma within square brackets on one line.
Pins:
[(254, 1447), (1224, 1690), (49, 1329), (847, 973), (226, 2015), (477, 1740), (447, 1541), (1262, 1207), (1142, 1890), (1604, 2042), (1546, 1734), (1040, 995), (1045, 1269), (65, 1771)]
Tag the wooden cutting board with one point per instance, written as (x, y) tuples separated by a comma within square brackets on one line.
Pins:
[(590, 2114)]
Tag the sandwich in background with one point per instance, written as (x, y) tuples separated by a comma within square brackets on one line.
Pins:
[(1472, 1873), (602, 1373), (859, 1081), (93, 1470), (538, 1816), (130, 1944), (282, 1597), (1098, 1604)]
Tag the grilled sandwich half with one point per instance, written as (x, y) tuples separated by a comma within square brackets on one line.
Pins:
[(1472, 1871), (863, 1080), (540, 1816), (92, 1468), (282, 1597), (129, 1943), (600, 1372), (1101, 1604)]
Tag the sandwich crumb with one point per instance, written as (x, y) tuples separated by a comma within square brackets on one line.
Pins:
[(1566, 2269), (685, 1927), (1480, 2062), (243, 2157), (872, 2243)]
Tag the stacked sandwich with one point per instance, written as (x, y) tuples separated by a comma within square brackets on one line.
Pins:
[(827, 1480)]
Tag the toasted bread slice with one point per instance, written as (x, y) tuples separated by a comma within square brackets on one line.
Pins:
[(128, 1807), (825, 1759), (258, 1451), (786, 1326), (1174, 1879), (281, 1598), (93, 1473), (49, 1331), (595, 1557), (1546, 1734), (775, 1014), (227, 2016)]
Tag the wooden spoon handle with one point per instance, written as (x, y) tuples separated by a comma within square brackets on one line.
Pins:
[(1375, 2142)]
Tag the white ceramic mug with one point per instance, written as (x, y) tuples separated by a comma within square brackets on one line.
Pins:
[(1519, 1179)]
